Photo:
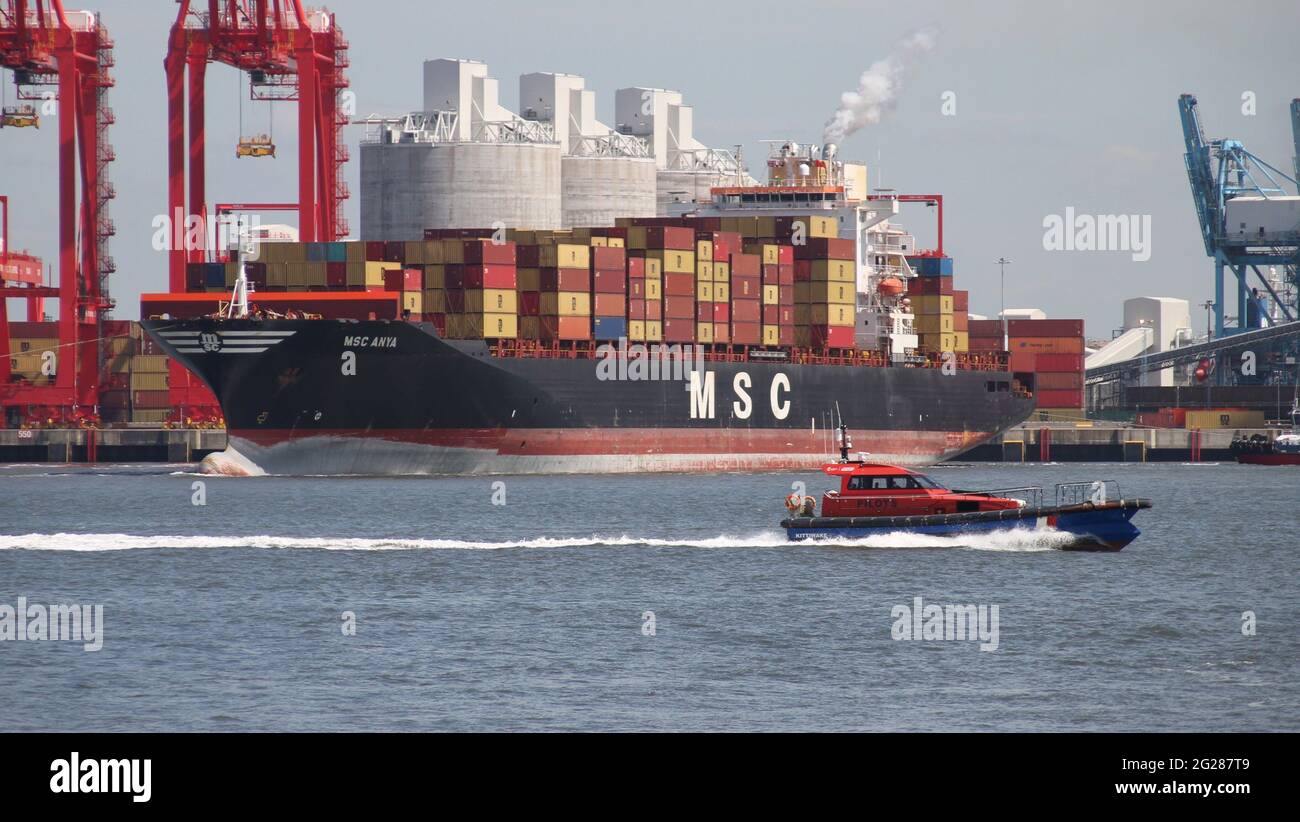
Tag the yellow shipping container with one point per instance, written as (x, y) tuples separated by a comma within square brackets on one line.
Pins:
[(151, 415), (842, 271), (566, 303), (148, 381), (704, 249), (491, 326), (704, 332), (654, 267), (654, 330), (616, 242), (832, 314), (704, 292), (827, 292), (672, 261), (771, 295), (413, 301), (1225, 418), (654, 289), (771, 335), (704, 271), (816, 226), (770, 252), (938, 342), (961, 341), (933, 324), (375, 272), (636, 330), (28, 365), (24, 345), (565, 255), (528, 279), (143, 363), (498, 300), (721, 292), (721, 272), (932, 304)]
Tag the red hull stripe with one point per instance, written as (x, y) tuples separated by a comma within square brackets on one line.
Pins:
[(616, 441)]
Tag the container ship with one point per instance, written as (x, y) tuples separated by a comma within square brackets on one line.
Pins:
[(735, 336)]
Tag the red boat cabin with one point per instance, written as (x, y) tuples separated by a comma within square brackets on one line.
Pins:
[(875, 489)]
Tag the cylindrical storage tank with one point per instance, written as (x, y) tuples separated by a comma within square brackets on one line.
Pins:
[(408, 187), (596, 190), (688, 186)]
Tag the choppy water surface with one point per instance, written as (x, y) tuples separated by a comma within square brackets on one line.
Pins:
[(532, 614)]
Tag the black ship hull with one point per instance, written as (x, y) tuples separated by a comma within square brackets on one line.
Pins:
[(389, 397)]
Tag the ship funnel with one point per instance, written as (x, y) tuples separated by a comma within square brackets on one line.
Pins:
[(828, 151)]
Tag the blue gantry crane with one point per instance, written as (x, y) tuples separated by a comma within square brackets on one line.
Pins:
[(1248, 223)]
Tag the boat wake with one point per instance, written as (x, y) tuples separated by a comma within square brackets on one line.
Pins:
[(1023, 540)]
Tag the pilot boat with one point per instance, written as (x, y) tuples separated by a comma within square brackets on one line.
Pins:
[(876, 498), (1259, 450)]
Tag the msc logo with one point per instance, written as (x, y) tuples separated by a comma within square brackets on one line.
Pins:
[(211, 342)]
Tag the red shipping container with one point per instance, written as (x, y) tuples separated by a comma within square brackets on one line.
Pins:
[(654, 310), (786, 334), (1058, 381), (1048, 345), (412, 279), (802, 270), (530, 303), (336, 275), (743, 333), (1022, 361), (825, 248), (986, 328), (636, 268), (635, 289), (1059, 363), (455, 301), (565, 328), (565, 279), (394, 251), (785, 315), (608, 259), (704, 312), (771, 275), (679, 330), (960, 302), (609, 282), (486, 252), (746, 288), (374, 250), (832, 336), (1059, 399), (610, 305), (746, 265), (929, 285), (785, 296), (722, 312), (721, 333), (1045, 328), (454, 275), (746, 311), (491, 276), (771, 315), (636, 309), (785, 254), (679, 285), (679, 308), (682, 239)]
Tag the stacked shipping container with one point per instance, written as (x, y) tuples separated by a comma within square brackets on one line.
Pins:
[(1051, 350)]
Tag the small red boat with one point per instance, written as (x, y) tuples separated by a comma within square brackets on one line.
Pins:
[(1259, 450), (875, 498)]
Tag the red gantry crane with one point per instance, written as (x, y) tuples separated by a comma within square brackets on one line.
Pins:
[(64, 58), (290, 53)]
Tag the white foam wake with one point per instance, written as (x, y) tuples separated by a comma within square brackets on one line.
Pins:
[(1010, 540)]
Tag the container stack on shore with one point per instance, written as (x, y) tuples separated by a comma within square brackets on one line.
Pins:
[(1050, 351)]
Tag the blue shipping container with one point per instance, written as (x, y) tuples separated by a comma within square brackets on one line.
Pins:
[(610, 328), (336, 252), (932, 266)]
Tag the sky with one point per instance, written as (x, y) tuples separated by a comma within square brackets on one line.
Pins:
[(1057, 105)]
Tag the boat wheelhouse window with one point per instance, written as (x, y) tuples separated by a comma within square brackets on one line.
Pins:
[(896, 483), (924, 481)]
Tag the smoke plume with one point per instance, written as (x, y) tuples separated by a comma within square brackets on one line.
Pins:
[(879, 86)]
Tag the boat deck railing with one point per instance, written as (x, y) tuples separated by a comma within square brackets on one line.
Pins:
[(1066, 493)]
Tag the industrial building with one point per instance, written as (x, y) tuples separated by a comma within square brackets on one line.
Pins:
[(464, 159)]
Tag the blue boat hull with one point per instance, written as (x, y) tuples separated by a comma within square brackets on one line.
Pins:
[(1096, 527)]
